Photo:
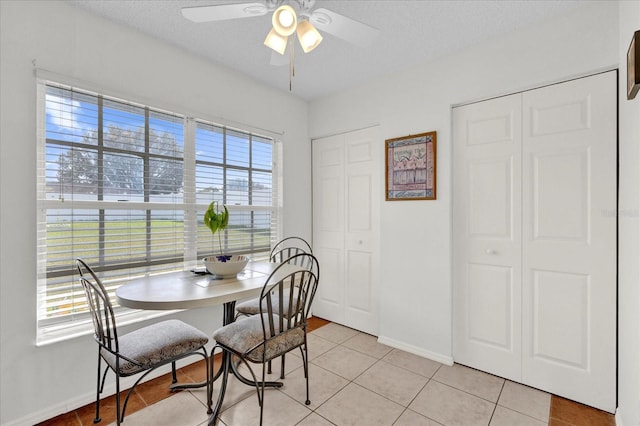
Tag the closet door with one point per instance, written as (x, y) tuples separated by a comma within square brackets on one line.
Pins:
[(328, 226), (487, 236), (569, 239), (346, 194), (535, 275)]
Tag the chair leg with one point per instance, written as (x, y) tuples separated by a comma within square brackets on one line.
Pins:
[(209, 376), (126, 400), (174, 377), (119, 418), (226, 361), (259, 385), (282, 368), (261, 399), (97, 418), (212, 378), (305, 362)]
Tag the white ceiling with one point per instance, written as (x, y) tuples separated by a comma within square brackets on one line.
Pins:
[(411, 32)]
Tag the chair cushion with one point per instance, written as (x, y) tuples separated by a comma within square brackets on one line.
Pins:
[(252, 307), (242, 335), (154, 345)]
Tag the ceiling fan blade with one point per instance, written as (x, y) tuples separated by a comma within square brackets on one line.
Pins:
[(224, 12), (279, 60), (342, 27)]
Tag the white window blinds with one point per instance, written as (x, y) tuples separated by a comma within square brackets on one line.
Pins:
[(234, 168), (125, 187)]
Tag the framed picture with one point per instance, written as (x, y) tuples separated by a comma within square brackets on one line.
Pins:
[(633, 66), (411, 167)]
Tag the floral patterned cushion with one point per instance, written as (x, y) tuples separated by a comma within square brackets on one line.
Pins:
[(243, 335), (155, 344), (252, 307)]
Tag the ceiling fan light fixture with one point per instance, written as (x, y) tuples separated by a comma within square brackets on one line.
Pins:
[(284, 20), (276, 42), (308, 36)]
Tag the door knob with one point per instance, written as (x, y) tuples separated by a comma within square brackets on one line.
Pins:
[(490, 251)]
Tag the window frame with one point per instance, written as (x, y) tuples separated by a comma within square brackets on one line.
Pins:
[(76, 324)]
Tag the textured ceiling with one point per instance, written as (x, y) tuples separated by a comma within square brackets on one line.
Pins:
[(411, 32)]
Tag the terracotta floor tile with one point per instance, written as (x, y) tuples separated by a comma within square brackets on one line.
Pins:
[(108, 408), (159, 388), (195, 372), (556, 422), (68, 419), (314, 323), (575, 413)]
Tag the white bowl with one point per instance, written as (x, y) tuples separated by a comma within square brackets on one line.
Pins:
[(226, 269)]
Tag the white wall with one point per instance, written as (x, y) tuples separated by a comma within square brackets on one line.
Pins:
[(40, 382), (629, 232), (416, 235)]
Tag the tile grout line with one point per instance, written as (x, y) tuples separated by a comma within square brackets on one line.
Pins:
[(433, 378), (352, 381), (405, 407), (495, 406)]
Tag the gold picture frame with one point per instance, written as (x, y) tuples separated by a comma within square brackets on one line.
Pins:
[(411, 167), (633, 66)]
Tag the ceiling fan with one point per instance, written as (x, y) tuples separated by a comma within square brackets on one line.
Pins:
[(289, 17)]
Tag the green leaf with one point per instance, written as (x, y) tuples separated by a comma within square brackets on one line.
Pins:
[(214, 219), (211, 219), (225, 219)]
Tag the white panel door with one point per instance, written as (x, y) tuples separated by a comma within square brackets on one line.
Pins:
[(535, 274), (328, 226), (362, 230), (487, 236), (569, 239), (346, 227)]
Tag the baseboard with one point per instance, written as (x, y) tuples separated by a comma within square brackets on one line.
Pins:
[(443, 359), (618, 417), (54, 410), (90, 397)]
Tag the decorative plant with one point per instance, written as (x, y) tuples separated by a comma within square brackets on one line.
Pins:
[(217, 220)]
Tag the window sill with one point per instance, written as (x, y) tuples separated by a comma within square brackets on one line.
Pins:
[(62, 332)]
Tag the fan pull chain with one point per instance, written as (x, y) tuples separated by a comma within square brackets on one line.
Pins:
[(292, 67)]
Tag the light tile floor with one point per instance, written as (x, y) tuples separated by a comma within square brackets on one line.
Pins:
[(357, 381), (354, 381)]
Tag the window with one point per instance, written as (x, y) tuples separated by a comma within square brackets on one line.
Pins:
[(125, 187), (234, 168)]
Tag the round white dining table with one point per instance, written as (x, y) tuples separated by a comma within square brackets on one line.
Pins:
[(187, 290)]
